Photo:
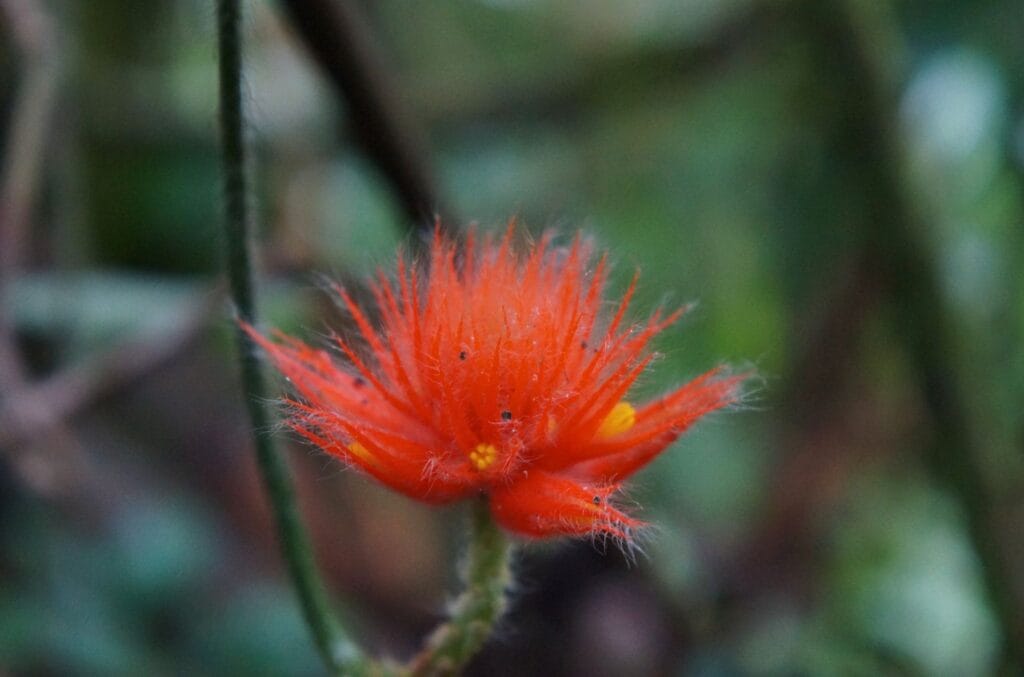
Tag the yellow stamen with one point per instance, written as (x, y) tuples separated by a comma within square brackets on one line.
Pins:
[(620, 419), (483, 456), (361, 452)]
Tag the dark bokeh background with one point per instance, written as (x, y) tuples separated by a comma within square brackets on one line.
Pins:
[(839, 185)]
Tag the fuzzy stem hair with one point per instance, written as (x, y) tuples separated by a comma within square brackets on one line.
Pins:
[(486, 575)]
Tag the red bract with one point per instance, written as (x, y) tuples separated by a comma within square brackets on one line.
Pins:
[(496, 372)]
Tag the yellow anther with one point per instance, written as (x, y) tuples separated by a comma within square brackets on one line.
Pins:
[(483, 456), (552, 424), (361, 452), (620, 419)]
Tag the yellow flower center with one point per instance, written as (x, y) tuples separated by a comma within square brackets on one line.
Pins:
[(483, 456), (621, 418)]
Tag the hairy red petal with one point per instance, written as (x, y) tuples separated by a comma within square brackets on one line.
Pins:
[(658, 424), (540, 504)]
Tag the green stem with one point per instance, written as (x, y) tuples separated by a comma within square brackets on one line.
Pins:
[(474, 613), (337, 650)]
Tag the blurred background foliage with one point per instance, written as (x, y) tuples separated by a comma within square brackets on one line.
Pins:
[(839, 184)]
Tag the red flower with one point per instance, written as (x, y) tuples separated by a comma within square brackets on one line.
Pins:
[(495, 372)]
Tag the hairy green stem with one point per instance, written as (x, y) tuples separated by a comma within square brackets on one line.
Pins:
[(486, 577), (338, 652)]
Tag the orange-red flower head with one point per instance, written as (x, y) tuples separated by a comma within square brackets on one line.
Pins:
[(496, 372)]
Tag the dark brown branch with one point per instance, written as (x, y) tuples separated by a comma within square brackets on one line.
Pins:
[(340, 41)]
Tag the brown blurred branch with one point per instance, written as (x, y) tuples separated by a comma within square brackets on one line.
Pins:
[(814, 467), (895, 262), (35, 410), (34, 416), (32, 31), (557, 93), (339, 39), (850, 39)]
